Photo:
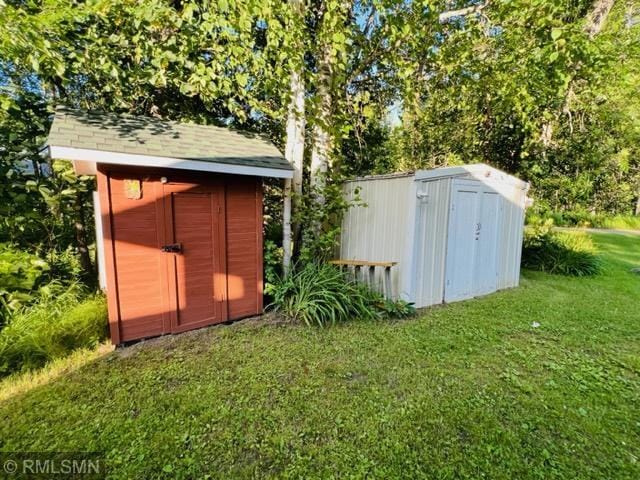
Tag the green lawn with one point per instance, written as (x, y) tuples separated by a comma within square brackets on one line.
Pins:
[(469, 390)]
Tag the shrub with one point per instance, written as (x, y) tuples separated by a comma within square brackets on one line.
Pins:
[(62, 320), (559, 252), (65, 265), (272, 261), (322, 294), (395, 308), (20, 274)]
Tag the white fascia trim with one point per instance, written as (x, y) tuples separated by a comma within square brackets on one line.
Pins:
[(115, 158)]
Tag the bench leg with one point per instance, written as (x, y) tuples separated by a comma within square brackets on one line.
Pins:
[(356, 273), (387, 282), (372, 278)]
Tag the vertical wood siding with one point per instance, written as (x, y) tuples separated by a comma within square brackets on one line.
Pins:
[(244, 248), (139, 267)]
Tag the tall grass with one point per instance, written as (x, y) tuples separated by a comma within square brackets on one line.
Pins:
[(585, 219), (64, 319), (620, 222), (21, 382)]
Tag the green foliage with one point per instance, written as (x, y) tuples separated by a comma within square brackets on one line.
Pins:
[(321, 294), (523, 87), (272, 262), (44, 209), (464, 391), (20, 270), (559, 252), (584, 219), (321, 221), (62, 320), (395, 308), (619, 222), (25, 276), (21, 274)]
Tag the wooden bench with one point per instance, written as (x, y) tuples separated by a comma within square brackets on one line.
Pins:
[(358, 265)]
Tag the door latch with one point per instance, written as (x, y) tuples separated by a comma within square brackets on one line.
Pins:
[(172, 248)]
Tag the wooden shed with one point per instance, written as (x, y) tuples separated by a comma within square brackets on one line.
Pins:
[(179, 217)]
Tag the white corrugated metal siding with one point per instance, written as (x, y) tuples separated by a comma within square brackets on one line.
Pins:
[(510, 238), (377, 232), (432, 217)]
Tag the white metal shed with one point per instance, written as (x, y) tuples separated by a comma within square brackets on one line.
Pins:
[(455, 232)]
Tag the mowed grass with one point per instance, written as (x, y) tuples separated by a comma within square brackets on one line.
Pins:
[(469, 390)]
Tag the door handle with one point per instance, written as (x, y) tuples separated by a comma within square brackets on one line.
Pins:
[(172, 248)]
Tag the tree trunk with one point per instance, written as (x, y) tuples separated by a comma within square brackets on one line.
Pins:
[(598, 17), (321, 150), (593, 26), (294, 151), (81, 241), (638, 205)]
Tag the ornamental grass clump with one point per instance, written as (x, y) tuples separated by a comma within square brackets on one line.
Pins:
[(321, 294), (63, 319)]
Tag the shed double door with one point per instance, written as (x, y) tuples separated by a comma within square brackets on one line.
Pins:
[(472, 244), (165, 253)]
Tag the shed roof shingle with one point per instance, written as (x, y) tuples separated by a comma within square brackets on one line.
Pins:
[(154, 137)]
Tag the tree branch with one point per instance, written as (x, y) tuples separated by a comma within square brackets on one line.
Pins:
[(444, 17), (598, 17)]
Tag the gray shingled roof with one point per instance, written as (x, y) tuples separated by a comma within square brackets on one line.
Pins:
[(153, 137)]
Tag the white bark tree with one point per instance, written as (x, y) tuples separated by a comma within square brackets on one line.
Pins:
[(294, 148), (331, 45), (322, 142)]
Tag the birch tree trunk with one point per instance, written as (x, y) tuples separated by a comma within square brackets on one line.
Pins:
[(294, 148), (598, 17), (321, 149), (294, 153), (595, 23)]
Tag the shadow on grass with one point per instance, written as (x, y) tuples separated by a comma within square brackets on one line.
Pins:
[(22, 383)]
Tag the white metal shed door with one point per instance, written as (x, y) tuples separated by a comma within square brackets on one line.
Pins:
[(461, 244), (485, 275), (472, 256)]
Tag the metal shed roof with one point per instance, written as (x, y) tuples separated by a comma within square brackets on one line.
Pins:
[(88, 138), (481, 171)]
